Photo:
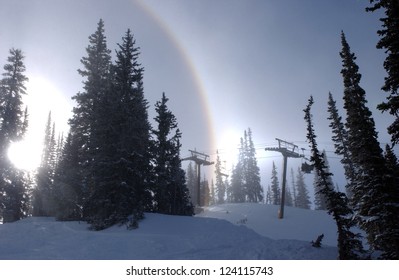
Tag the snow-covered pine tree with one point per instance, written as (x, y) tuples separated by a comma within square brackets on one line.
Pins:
[(293, 187), (349, 244), (288, 197), (171, 195), (43, 198), (191, 179), (68, 189), (220, 185), (87, 123), (302, 198), (13, 124), (340, 139), (389, 38), (275, 191), (370, 190), (252, 177), (320, 199), (391, 217), (237, 187)]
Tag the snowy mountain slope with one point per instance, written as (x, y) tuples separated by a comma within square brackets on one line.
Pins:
[(297, 224), (159, 237)]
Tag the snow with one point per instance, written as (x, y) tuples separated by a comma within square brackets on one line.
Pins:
[(232, 231)]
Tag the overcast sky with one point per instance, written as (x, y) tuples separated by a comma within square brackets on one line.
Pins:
[(226, 65)]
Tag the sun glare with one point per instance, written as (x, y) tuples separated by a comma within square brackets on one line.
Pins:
[(42, 97), (228, 147)]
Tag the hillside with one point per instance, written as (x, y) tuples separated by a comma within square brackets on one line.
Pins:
[(220, 232)]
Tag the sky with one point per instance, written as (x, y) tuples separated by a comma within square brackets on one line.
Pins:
[(225, 65)]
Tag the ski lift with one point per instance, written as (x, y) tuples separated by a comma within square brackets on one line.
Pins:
[(306, 167)]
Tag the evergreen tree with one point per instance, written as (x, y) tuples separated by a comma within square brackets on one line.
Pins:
[(87, 122), (252, 176), (121, 165), (191, 179), (268, 198), (212, 194), (389, 38), (320, 200), (391, 234), (288, 197), (205, 192), (293, 188), (13, 124), (349, 245), (340, 139), (69, 192), (43, 204), (303, 199), (370, 192), (170, 190), (220, 186), (275, 188), (237, 188)]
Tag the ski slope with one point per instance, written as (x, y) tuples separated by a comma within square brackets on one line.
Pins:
[(232, 231)]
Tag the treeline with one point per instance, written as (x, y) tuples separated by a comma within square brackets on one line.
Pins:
[(371, 201), (113, 165)]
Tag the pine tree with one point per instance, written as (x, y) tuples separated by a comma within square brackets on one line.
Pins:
[(252, 176), (205, 192), (13, 124), (340, 139), (389, 38), (238, 187), (275, 188), (294, 199), (69, 192), (288, 197), (391, 234), (320, 200), (87, 122), (303, 199), (191, 179), (43, 203), (369, 190), (220, 186), (170, 190), (349, 245)]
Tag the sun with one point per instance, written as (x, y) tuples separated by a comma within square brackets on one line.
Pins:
[(228, 147), (42, 97)]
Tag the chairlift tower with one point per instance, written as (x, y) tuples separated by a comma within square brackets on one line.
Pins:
[(199, 159), (288, 150)]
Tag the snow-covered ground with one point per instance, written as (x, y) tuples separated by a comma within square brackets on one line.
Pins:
[(231, 231)]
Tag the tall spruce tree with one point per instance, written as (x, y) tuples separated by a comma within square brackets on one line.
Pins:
[(191, 179), (237, 187), (274, 187), (13, 124), (389, 38), (340, 139), (171, 195), (302, 198), (370, 191), (391, 234), (252, 176), (320, 199), (43, 203), (349, 245), (220, 185), (69, 194), (86, 124)]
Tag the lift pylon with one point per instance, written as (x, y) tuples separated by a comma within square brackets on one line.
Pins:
[(287, 149), (199, 159)]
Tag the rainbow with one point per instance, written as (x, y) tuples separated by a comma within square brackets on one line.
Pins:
[(190, 65)]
